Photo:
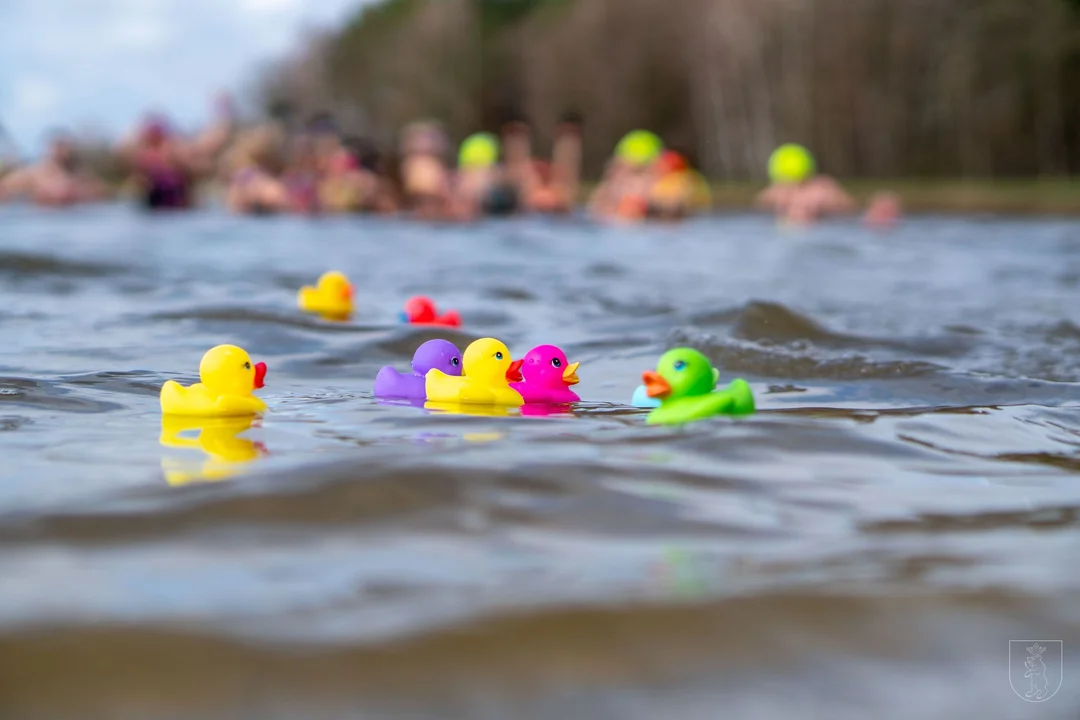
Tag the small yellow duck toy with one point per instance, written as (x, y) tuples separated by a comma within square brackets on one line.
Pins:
[(229, 380), (486, 373), (332, 296)]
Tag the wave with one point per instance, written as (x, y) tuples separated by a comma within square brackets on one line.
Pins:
[(570, 661), (49, 394), (771, 361), (21, 266)]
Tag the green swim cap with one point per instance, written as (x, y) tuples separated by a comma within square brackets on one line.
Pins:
[(790, 163), (479, 150), (639, 147)]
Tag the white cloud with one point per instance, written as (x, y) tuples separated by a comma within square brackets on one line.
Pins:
[(69, 62), (268, 5), (34, 96), (138, 33)]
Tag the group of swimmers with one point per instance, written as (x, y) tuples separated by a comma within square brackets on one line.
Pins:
[(273, 168)]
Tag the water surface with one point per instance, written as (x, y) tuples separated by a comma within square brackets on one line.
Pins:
[(904, 503)]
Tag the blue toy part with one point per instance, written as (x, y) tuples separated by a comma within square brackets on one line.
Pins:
[(642, 400)]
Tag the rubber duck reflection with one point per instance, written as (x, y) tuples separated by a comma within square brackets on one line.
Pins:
[(459, 408), (335, 317), (219, 438), (545, 409)]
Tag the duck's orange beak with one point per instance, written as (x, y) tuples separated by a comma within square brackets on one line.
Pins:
[(513, 373), (569, 375), (347, 292), (655, 385), (260, 374)]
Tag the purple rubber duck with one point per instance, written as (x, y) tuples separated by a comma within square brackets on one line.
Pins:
[(440, 354)]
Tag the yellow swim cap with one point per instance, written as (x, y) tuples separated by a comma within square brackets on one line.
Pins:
[(639, 147), (790, 163), (479, 150)]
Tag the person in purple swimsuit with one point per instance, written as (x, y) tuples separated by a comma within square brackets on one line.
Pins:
[(166, 166)]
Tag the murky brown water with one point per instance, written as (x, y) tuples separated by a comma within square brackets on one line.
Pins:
[(904, 505)]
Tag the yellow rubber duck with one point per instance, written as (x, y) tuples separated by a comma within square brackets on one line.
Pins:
[(219, 438), (229, 380), (486, 373), (332, 296)]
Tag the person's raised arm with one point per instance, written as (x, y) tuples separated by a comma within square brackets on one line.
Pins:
[(17, 183), (213, 139), (566, 157)]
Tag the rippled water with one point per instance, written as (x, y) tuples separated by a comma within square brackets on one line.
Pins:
[(903, 505)]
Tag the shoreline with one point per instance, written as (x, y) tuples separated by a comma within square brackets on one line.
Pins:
[(1030, 196), (1019, 197)]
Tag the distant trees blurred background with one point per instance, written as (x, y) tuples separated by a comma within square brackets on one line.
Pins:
[(876, 88)]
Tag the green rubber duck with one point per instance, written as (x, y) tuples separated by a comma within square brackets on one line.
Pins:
[(684, 381)]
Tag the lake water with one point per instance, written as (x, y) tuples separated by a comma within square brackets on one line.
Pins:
[(904, 503)]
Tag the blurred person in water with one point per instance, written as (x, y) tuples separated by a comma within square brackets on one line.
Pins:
[(426, 181), (519, 177), (325, 141), (253, 165), (883, 211), (301, 176), (678, 190), (165, 166), (542, 186), (481, 185), (57, 180), (558, 193), (798, 194), (355, 180), (629, 178)]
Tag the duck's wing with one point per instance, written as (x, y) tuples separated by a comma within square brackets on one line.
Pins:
[(509, 396), (439, 386), (741, 397), (687, 410), (476, 394), (235, 405), (387, 382), (735, 399)]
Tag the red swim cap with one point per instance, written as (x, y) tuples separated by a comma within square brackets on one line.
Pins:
[(671, 162), (155, 130)]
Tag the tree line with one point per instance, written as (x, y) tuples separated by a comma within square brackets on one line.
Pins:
[(876, 88)]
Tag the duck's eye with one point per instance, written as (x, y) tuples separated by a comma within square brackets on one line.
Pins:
[(498, 356), (247, 366), (455, 361), (680, 365), (556, 362)]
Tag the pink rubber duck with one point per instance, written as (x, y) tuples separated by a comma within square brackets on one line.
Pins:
[(547, 376)]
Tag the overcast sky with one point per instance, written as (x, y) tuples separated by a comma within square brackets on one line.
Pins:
[(76, 63)]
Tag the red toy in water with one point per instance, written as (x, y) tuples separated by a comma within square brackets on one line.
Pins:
[(421, 311)]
